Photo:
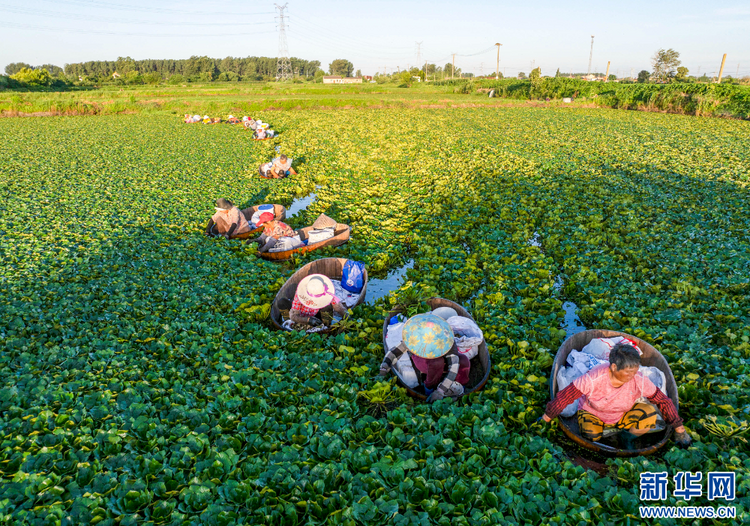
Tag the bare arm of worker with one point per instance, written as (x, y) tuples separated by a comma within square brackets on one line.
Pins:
[(291, 171), (297, 317)]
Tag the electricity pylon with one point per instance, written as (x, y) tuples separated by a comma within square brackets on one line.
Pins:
[(283, 64)]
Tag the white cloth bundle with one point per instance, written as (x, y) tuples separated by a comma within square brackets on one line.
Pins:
[(601, 347), (403, 367), (286, 243), (349, 299), (468, 335), (316, 236)]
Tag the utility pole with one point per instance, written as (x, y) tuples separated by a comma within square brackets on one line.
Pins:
[(481, 69), (591, 55), (497, 71), (283, 65), (453, 68), (606, 75), (737, 75), (721, 70), (419, 52), (631, 73)]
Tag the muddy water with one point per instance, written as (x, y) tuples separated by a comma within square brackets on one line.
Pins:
[(378, 288)]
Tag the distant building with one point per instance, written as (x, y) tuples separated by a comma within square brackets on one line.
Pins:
[(367, 77), (337, 79)]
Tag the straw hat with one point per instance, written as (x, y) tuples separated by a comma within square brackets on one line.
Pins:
[(323, 221), (316, 291), (428, 336)]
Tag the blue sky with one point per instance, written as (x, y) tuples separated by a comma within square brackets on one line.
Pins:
[(382, 34)]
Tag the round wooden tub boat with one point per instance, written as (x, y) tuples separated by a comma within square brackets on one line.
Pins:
[(279, 215), (331, 267), (480, 364), (650, 358), (340, 236)]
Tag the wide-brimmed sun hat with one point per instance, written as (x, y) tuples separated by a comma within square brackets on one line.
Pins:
[(428, 336), (316, 291)]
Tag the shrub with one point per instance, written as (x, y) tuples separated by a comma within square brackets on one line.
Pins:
[(33, 77)]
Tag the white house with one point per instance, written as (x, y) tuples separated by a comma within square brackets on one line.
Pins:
[(337, 79)]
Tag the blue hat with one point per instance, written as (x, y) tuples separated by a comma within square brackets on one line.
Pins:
[(428, 336)]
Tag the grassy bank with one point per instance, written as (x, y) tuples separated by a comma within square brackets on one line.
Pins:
[(246, 98)]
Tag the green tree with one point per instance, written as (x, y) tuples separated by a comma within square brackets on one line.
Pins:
[(358, 73), (133, 77), (342, 67), (682, 72), (612, 77), (521, 75), (33, 77), (53, 70), (535, 75), (15, 67), (665, 62), (152, 78), (644, 76), (557, 73), (448, 70)]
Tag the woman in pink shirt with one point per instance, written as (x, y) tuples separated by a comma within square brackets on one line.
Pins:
[(609, 399), (228, 221)]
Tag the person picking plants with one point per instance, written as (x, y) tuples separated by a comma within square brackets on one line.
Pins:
[(610, 397), (272, 231), (228, 220), (431, 345), (278, 168), (314, 293)]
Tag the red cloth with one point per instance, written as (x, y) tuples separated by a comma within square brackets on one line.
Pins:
[(434, 368), (308, 311), (277, 229)]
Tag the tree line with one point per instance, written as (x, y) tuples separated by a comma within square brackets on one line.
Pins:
[(153, 71)]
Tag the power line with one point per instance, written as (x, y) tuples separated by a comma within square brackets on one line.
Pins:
[(126, 7), (94, 18), (117, 33)]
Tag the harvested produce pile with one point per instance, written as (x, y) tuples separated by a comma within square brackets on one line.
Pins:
[(140, 379)]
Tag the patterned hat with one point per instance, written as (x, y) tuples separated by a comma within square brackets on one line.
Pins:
[(316, 291), (428, 336)]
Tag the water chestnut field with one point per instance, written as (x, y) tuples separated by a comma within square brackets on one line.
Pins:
[(141, 381)]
